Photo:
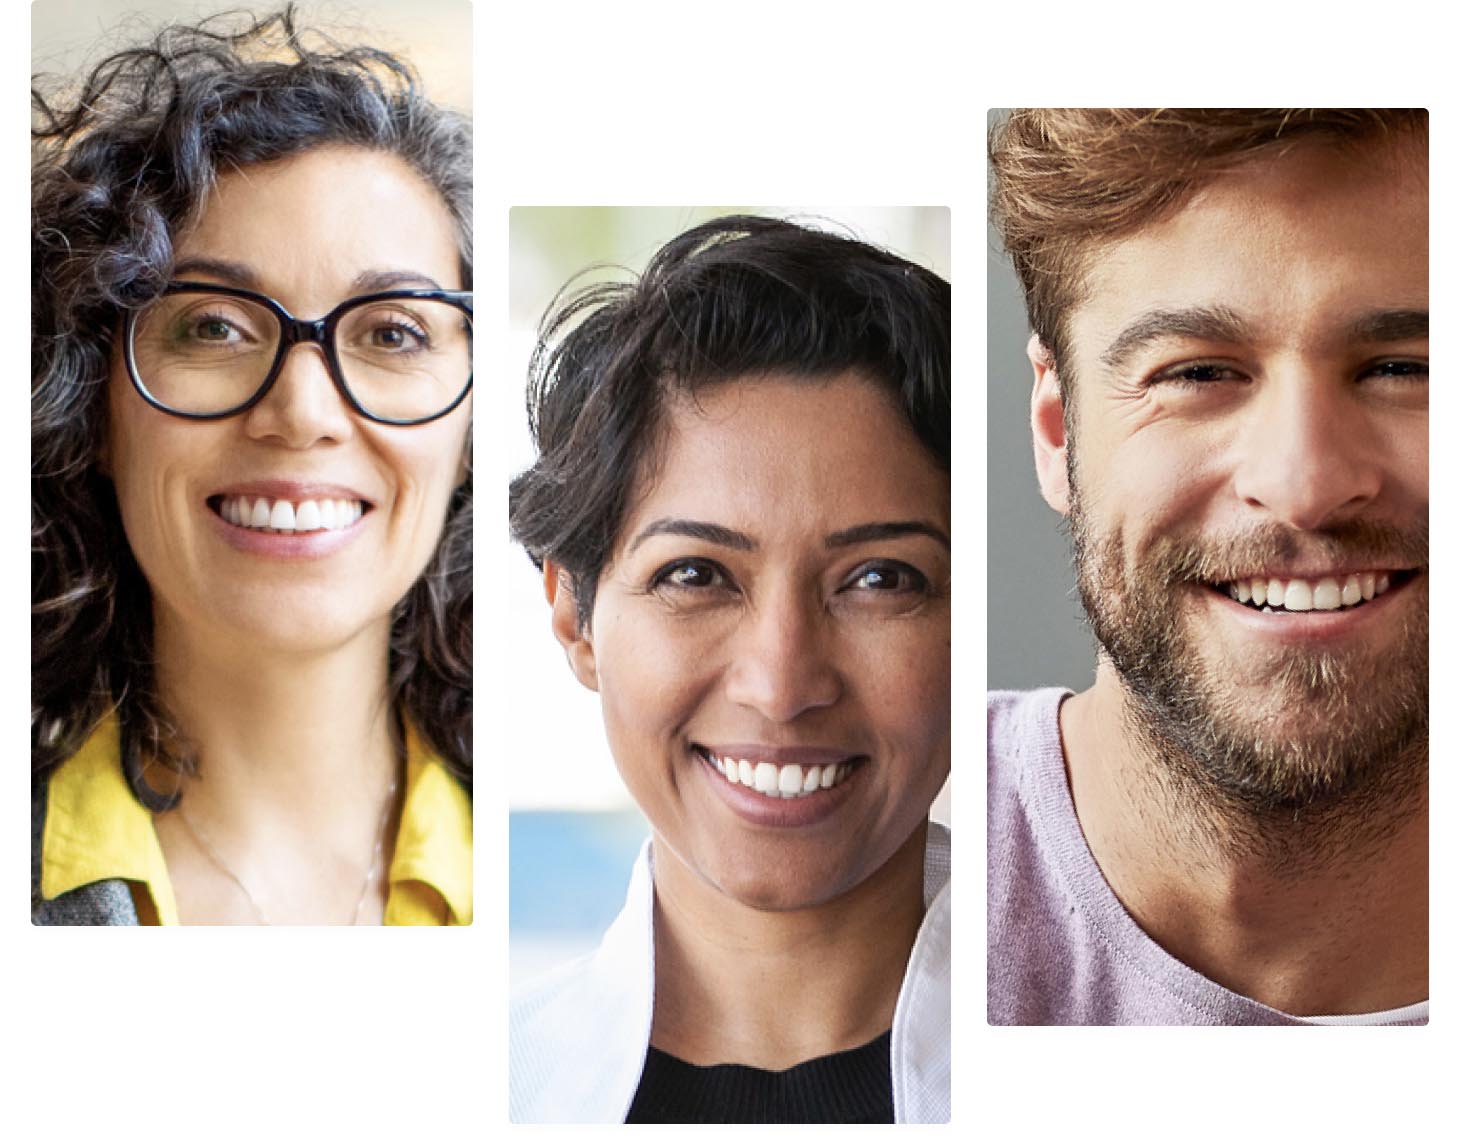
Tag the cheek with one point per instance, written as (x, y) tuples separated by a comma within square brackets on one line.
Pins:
[(1169, 481), (904, 685), (654, 675)]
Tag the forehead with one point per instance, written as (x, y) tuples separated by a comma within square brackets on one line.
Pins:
[(786, 456), (1298, 246), (316, 219)]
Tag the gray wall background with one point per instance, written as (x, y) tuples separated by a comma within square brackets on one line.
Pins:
[(1036, 629)]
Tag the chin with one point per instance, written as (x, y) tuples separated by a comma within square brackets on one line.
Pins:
[(278, 623), (780, 889)]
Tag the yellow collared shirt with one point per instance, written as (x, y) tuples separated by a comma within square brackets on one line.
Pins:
[(95, 829)]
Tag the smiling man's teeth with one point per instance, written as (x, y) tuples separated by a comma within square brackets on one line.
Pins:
[(288, 517), (1299, 595), (780, 781)]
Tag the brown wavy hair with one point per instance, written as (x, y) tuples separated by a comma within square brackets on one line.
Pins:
[(122, 162), (1065, 182)]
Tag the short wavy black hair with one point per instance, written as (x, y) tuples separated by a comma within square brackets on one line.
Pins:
[(122, 162), (735, 298)]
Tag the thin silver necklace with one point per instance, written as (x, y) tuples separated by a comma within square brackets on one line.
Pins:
[(222, 865)]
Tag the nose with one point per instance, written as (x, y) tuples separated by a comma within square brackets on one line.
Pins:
[(1309, 456), (784, 661), (303, 406)]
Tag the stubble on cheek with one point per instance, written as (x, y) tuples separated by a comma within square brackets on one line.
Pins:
[(1270, 732)]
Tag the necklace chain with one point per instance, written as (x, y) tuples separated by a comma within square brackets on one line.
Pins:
[(222, 865)]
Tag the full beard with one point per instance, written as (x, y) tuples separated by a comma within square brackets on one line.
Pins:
[(1274, 748)]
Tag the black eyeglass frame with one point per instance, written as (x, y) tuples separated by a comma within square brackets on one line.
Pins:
[(294, 331)]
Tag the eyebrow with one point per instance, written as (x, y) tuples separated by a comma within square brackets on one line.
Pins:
[(369, 281), (1198, 323), (878, 531), (379, 280), (1384, 326), (1381, 326), (737, 540), (689, 528), (232, 272)]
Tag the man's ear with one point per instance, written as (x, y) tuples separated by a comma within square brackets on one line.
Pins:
[(1047, 418), (577, 642)]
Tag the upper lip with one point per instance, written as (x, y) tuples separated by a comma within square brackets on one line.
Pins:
[(806, 756), (294, 490)]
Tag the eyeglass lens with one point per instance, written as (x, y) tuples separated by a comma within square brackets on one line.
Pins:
[(402, 358)]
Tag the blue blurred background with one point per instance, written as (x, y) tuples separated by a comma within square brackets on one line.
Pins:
[(569, 873)]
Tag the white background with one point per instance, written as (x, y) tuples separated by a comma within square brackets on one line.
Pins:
[(238, 1033)]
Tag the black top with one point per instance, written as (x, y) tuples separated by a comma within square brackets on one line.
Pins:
[(854, 1087)]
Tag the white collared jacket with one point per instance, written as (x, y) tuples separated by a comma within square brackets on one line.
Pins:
[(580, 1034)]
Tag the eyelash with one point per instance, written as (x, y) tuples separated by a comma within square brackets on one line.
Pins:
[(912, 580), (917, 581), (1180, 377), (1413, 369), (662, 579)]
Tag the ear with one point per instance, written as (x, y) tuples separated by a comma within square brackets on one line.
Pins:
[(577, 642), (1047, 418)]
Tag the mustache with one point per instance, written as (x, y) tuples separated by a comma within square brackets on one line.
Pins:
[(1222, 558)]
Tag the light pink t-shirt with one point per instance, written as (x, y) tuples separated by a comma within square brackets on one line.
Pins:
[(1062, 950)]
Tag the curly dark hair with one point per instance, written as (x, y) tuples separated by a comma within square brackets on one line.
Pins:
[(122, 163), (735, 297)]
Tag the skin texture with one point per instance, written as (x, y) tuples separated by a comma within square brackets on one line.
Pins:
[(1264, 819), (297, 762), (698, 642)]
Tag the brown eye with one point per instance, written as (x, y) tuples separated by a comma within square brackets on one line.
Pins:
[(888, 577), (690, 574), (1410, 370), (1195, 375)]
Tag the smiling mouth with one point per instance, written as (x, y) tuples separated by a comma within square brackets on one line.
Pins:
[(287, 516), (1274, 595), (780, 781)]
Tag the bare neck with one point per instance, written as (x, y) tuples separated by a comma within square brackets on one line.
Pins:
[(772, 989), (299, 751), (1333, 928)]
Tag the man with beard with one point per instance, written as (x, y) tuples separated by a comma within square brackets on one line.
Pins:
[(1230, 407)]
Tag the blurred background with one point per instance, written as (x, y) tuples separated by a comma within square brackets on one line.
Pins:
[(1037, 634), (434, 35), (574, 831)]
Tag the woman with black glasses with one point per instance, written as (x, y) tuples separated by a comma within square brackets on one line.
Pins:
[(251, 486)]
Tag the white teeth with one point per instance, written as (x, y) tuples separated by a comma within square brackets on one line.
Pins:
[(1300, 595), (1327, 595), (308, 517), (283, 515), (786, 781)]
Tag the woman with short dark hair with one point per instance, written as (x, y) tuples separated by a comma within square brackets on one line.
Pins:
[(251, 487), (741, 509)]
